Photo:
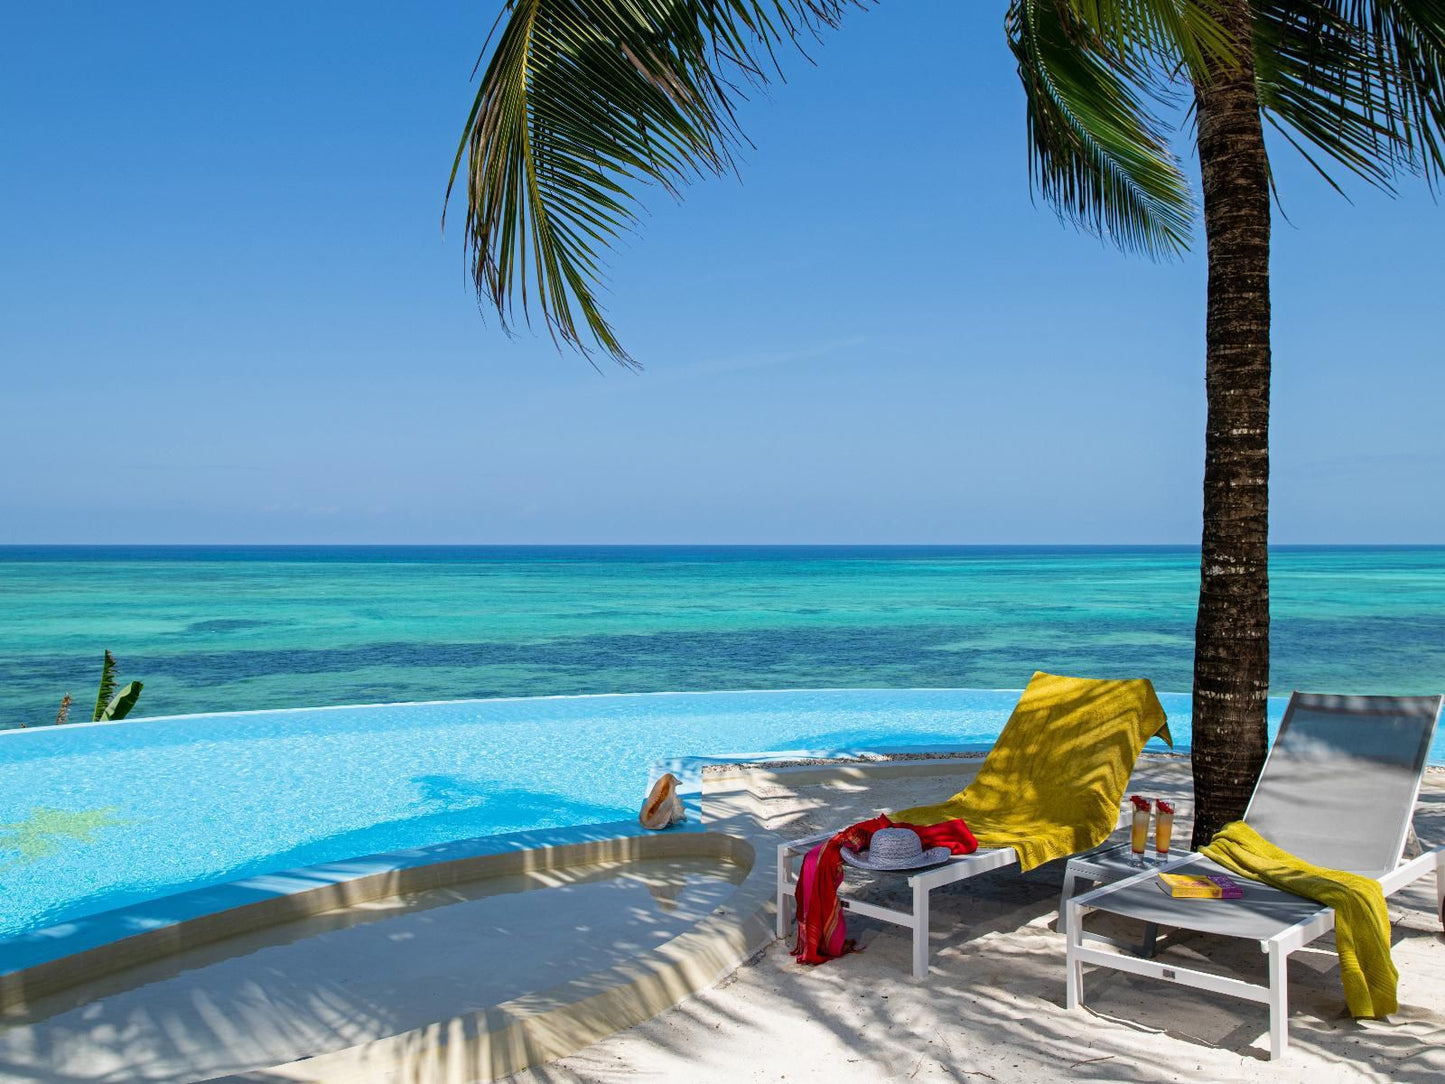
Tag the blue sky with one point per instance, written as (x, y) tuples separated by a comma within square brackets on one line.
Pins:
[(231, 315)]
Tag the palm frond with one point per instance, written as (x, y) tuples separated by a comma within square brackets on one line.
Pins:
[(1096, 150), (1183, 33), (582, 104), (1362, 82)]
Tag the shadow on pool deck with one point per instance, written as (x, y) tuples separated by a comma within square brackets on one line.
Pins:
[(357, 974)]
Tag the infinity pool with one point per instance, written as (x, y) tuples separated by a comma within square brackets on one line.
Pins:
[(94, 817)]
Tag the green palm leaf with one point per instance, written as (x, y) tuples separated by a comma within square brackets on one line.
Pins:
[(582, 104), (120, 704), (1360, 82), (1179, 33), (1096, 151)]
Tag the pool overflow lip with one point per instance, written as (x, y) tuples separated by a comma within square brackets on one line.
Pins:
[(142, 719), (16, 732)]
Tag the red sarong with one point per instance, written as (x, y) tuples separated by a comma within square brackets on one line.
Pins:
[(822, 934)]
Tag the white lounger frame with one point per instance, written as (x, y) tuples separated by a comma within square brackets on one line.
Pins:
[(1275, 993), (958, 868)]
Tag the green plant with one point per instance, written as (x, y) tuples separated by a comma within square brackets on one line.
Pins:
[(111, 706)]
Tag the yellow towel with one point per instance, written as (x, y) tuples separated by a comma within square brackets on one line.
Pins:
[(1362, 923), (1052, 783)]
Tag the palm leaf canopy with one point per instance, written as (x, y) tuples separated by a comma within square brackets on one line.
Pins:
[(585, 105), (1360, 81)]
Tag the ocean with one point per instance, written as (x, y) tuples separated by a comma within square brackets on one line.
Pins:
[(237, 628)]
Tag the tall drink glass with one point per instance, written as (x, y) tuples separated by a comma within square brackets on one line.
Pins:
[(1139, 833), (1163, 828)]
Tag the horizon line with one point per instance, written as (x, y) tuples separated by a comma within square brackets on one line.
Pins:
[(687, 545)]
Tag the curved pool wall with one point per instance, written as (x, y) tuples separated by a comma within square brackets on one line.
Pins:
[(95, 817)]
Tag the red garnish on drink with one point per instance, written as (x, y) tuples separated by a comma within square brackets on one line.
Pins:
[(1141, 804), (1161, 806)]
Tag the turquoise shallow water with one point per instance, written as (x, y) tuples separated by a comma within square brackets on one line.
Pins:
[(219, 630)]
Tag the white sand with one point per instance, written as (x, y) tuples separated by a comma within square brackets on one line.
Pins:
[(992, 1009)]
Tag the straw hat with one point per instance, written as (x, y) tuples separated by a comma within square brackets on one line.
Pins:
[(895, 848)]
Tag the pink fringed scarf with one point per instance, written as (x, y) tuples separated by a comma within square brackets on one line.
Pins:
[(822, 932)]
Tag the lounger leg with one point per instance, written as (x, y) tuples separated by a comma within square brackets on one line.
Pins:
[(1151, 940), (920, 931), (1070, 878), (1073, 966), (1440, 884), (1278, 1001)]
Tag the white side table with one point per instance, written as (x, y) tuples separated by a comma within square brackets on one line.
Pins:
[(1104, 864)]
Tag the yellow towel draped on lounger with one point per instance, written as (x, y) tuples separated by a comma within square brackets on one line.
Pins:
[(1362, 922), (1052, 784)]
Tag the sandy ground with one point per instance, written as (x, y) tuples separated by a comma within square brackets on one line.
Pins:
[(992, 1009)]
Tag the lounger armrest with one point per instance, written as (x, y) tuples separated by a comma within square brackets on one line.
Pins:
[(1411, 870), (807, 843)]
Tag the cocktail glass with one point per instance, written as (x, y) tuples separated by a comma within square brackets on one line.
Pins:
[(1139, 836), (1163, 829)]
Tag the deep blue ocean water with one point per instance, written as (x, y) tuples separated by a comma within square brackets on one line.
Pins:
[(217, 629)]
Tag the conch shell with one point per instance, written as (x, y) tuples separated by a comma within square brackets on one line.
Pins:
[(663, 807)]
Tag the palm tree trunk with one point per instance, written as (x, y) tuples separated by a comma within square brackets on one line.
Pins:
[(1231, 636)]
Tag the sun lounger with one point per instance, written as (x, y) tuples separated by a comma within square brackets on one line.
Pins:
[(1338, 790), (1052, 783), (958, 868)]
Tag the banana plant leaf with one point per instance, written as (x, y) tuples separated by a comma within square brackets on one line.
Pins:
[(120, 707)]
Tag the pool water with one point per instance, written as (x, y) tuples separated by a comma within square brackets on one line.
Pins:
[(94, 817)]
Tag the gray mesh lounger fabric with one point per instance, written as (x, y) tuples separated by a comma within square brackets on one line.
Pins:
[(1339, 787)]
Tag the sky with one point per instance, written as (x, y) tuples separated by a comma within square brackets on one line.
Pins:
[(231, 315)]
